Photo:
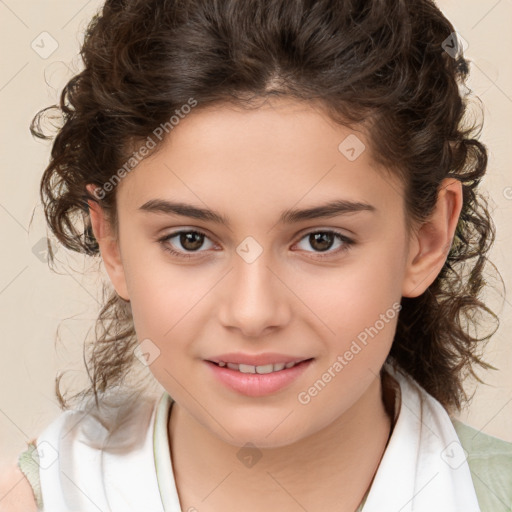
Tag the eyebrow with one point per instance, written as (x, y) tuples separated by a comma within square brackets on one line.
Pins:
[(290, 216)]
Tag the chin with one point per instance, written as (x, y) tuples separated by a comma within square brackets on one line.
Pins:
[(262, 433)]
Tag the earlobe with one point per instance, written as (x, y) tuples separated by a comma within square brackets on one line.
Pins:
[(109, 246), (430, 245)]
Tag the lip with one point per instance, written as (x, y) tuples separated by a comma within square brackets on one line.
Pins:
[(256, 359), (255, 384)]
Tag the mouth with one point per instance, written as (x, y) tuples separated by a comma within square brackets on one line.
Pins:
[(258, 380)]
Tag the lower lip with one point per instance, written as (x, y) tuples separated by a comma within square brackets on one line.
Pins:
[(256, 384)]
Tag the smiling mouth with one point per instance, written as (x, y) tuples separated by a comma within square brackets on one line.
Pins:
[(261, 369)]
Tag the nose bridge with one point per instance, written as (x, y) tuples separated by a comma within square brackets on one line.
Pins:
[(254, 300)]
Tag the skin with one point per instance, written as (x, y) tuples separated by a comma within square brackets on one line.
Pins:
[(250, 165)]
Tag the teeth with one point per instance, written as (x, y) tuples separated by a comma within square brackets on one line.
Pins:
[(249, 368), (246, 368), (267, 368)]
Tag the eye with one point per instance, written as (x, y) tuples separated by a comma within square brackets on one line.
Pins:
[(190, 240), (322, 241)]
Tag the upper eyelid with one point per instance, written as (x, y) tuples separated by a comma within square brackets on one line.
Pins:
[(172, 234)]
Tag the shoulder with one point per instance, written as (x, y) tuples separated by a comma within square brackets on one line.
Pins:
[(16, 493), (489, 450), (118, 425), (490, 462)]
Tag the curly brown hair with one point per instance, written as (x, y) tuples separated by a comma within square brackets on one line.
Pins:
[(393, 66)]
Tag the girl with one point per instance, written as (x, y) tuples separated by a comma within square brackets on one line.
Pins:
[(285, 199)]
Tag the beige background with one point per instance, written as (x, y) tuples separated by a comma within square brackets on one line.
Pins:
[(34, 301)]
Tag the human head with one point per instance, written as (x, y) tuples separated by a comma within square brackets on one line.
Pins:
[(145, 60)]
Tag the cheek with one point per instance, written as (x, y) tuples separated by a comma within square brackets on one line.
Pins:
[(360, 304), (360, 300), (164, 296)]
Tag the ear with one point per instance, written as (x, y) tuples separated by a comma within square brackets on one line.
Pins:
[(109, 246), (431, 243)]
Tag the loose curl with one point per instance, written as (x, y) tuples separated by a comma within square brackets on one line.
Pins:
[(379, 64)]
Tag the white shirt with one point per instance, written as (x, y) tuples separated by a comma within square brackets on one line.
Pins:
[(118, 459)]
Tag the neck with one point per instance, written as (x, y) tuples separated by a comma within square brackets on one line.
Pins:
[(331, 469)]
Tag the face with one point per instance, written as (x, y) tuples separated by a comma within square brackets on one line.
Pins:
[(258, 278)]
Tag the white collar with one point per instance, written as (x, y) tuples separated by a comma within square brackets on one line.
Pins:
[(424, 467), (422, 470)]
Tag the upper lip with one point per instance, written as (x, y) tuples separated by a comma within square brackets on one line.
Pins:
[(256, 359)]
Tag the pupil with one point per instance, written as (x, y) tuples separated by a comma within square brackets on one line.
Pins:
[(323, 239), (186, 238)]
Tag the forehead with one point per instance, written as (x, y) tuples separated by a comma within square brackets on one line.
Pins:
[(268, 158)]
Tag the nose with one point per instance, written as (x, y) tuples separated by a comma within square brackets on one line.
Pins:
[(255, 300)]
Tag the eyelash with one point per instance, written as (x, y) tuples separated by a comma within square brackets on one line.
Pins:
[(347, 243)]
